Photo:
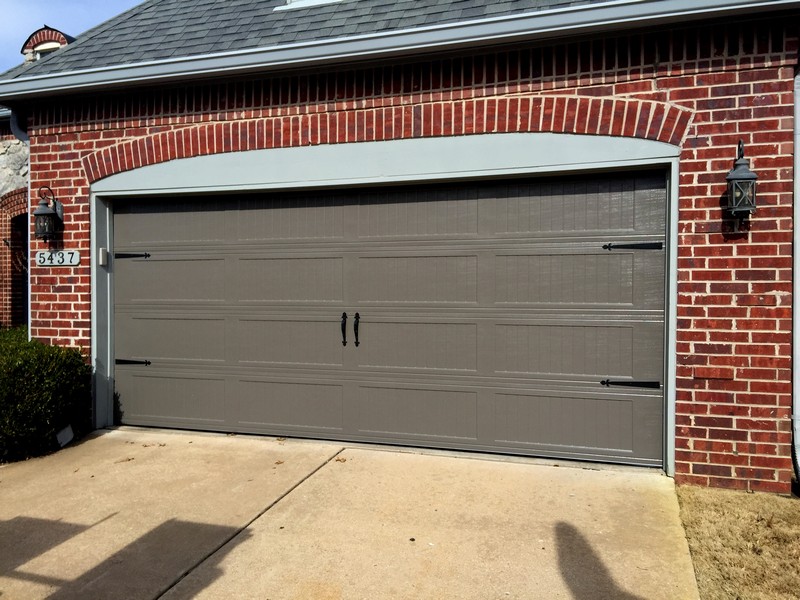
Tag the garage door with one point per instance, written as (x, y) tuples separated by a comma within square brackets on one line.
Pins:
[(521, 316)]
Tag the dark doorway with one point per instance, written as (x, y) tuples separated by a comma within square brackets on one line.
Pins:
[(19, 270)]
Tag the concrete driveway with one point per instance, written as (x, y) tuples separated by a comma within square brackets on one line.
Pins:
[(133, 513)]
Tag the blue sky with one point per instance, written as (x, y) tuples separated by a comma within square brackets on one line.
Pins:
[(20, 18)]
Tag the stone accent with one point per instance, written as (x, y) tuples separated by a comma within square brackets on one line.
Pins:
[(13, 164)]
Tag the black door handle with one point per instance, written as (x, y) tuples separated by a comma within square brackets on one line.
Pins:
[(344, 329), (355, 326)]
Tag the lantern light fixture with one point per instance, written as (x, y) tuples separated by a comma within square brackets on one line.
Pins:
[(741, 187), (48, 216)]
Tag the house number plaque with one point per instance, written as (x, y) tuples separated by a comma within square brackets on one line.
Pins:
[(58, 258)]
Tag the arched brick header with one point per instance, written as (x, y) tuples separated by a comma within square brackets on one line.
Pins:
[(44, 35), (12, 204), (554, 114)]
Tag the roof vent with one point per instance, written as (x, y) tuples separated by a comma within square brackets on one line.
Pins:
[(43, 41), (292, 4)]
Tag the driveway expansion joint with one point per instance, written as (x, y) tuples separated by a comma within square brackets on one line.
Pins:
[(244, 527)]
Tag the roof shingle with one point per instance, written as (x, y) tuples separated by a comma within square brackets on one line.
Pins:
[(166, 29)]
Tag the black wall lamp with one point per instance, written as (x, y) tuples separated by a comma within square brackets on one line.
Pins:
[(741, 187), (49, 215)]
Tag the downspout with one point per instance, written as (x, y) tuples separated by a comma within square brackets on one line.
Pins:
[(19, 127), (796, 283)]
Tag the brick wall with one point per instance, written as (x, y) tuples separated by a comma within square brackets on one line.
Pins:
[(702, 88)]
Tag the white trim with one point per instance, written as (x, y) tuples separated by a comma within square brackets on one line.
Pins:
[(559, 23), (292, 4), (47, 47), (418, 160)]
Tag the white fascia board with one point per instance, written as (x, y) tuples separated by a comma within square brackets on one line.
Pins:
[(591, 18)]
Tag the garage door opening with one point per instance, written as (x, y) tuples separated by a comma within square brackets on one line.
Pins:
[(521, 316)]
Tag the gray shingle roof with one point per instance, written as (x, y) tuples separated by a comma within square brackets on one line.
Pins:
[(168, 41), (165, 29)]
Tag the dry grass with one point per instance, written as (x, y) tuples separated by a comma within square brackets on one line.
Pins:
[(744, 546)]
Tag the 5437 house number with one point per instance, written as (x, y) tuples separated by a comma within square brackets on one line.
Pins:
[(58, 258)]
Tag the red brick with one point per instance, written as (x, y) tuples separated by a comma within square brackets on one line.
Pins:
[(715, 470), (728, 483), (775, 487), (713, 373)]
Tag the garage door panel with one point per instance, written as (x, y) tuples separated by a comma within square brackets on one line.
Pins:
[(158, 279), (569, 209), (564, 421), (290, 279), (583, 349), (169, 221), (170, 337), (288, 404), (544, 278), (287, 218), (573, 424), (448, 212), (287, 341), (416, 412), (164, 398), (433, 279), (428, 345)]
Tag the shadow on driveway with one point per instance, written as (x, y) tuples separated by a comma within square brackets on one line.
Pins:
[(145, 568), (581, 568)]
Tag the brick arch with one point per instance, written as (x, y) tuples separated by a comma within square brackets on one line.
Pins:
[(14, 203), (43, 35), (12, 260), (624, 117)]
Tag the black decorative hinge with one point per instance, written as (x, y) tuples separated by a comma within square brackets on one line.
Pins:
[(131, 255), (635, 246), (128, 361), (643, 384)]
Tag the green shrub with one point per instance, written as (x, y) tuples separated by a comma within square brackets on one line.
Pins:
[(12, 337), (43, 389)]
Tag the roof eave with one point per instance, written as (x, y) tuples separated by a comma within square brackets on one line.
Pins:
[(592, 18)]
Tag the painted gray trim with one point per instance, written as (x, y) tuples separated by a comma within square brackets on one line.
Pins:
[(796, 284), (671, 316), (541, 25), (102, 335), (370, 163), (5, 113)]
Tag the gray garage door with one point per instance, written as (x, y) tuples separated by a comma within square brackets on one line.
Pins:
[(522, 316)]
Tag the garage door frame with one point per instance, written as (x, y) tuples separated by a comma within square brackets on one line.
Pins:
[(419, 160)]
